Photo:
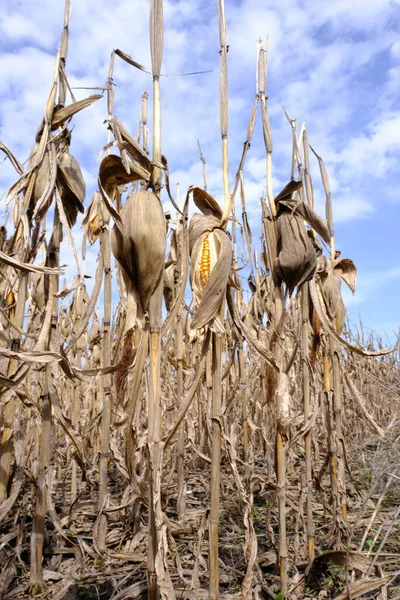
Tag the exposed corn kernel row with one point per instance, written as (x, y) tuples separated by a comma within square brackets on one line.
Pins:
[(205, 265)]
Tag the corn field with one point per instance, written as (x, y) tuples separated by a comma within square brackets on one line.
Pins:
[(200, 421)]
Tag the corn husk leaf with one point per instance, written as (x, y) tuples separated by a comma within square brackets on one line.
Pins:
[(140, 250), (112, 173), (199, 224), (66, 112), (214, 291), (297, 260), (331, 293), (44, 182), (73, 186), (206, 203), (93, 220), (310, 216)]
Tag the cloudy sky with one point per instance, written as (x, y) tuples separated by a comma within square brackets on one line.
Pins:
[(333, 65)]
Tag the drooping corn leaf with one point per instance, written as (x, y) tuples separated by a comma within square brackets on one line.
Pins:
[(64, 113), (347, 270), (206, 203)]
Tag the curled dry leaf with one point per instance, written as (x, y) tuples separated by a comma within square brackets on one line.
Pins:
[(206, 203), (347, 270)]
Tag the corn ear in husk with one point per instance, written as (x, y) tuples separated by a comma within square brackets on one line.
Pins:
[(72, 184), (140, 250)]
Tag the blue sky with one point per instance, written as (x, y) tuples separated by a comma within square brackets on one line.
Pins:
[(333, 65)]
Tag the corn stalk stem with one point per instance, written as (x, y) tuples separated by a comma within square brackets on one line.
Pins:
[(180, 448), (154, 438), (217, 343), (106, 391), (305, 297), (223, 104), (9, 410), (38, 525)]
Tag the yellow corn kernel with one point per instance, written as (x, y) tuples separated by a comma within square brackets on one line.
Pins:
[(205, 264)]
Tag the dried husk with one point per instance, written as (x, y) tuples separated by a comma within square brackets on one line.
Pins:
[(209, 298), (169, 284), (331, 275), (113, 173), (171, 272), (70, 178), (140, 250), (199, 224), (42, 193), (93, 221), (316, 222), (297, 260)]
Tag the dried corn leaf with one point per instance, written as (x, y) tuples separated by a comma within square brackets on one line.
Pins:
[(29, 268), (347, 270), (288, 191), (350, 560), (12, 158), (318, 302), (130, 60), (112, 173), (156, 35), (132, 147), (62, 114), (256, 344), (360, 588), (206, 203)]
